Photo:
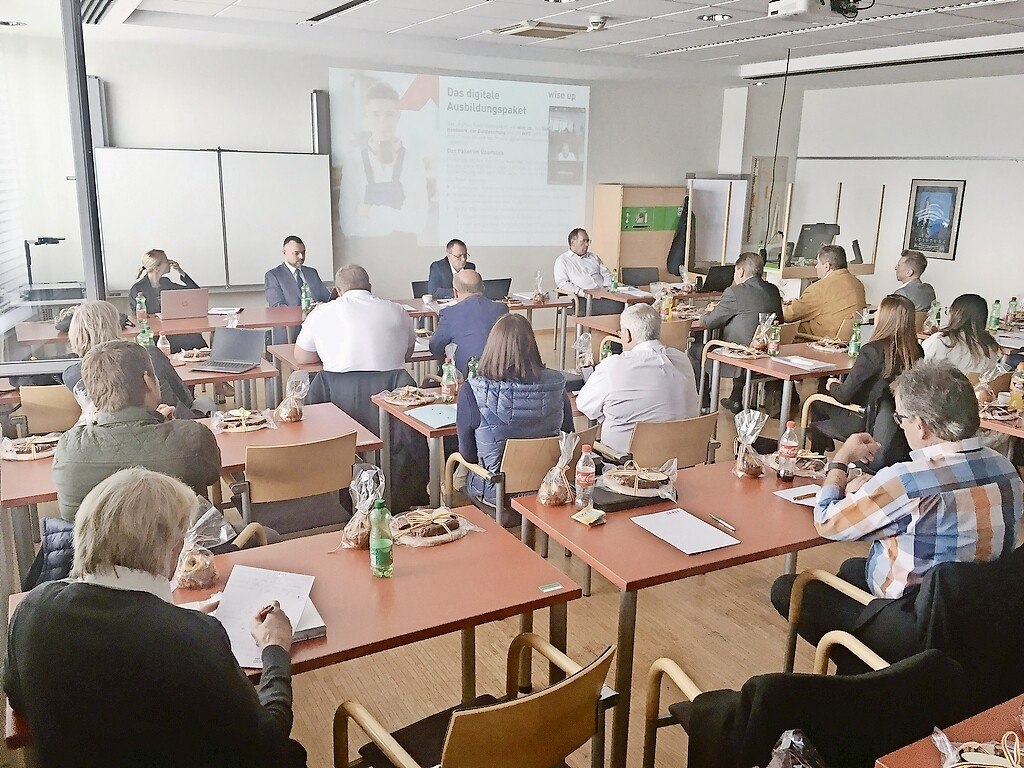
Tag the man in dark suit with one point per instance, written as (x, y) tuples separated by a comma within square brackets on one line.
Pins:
[(736, 314), (283, 285), (468, 322), (439, 284)]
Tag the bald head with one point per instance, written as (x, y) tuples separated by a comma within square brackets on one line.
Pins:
[(351, 277), (468, 283)]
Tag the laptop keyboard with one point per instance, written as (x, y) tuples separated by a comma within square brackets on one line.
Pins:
[(238, 367)]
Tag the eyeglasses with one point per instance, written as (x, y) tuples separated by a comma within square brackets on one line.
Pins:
[(899, 418)]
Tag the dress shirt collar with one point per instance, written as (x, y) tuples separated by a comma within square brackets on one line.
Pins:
[(652, 345), (292, 269), (131, 580), (931, 452), (130, 414)]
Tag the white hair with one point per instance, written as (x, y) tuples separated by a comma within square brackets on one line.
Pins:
[(642, 321)]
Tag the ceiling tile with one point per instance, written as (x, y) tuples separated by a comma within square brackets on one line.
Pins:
[(262, 14), (1003, 12)]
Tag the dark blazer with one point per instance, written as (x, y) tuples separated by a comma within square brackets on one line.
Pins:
[(467, 324), (737, 311), (109, 677), (282, 291), (439, 284)]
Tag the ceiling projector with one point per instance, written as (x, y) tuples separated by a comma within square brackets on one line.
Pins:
[(816, 10)]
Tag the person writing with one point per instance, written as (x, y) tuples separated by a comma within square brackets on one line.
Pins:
[(580, 270), (467, 323), (439, 285), (154, 276), (283, 284), (837, 296), (107, 671)]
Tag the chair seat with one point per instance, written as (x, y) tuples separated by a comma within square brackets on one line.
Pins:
[(424, 739), (682, 711)]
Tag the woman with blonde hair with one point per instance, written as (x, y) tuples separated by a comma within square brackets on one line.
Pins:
[(107, 671), (152, 278), (893, 349), (95, 322)]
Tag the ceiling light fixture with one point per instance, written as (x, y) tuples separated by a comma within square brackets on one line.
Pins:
[(760, 84), (559, 2), (714, 17), (7, 23)]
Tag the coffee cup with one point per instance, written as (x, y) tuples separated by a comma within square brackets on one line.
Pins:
[(428, 298), (1003, 398)]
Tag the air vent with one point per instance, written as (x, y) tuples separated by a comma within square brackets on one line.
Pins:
[(539, 29), (340, 10), (93, 11)]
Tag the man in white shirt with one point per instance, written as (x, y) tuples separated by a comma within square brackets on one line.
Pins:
[(580, 270), (357, 331), (647, 382)]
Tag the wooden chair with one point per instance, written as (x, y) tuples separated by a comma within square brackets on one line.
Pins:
[(919, 319), (638, 276), (1000, 383), (46, 409), (689, 441), (538, 730), (280, 473), (676, 334), (787, 333), (710, 347), (805, 414), (843, 334)]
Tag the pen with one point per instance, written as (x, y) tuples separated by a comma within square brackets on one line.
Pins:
[(266, 612), (722, 523)]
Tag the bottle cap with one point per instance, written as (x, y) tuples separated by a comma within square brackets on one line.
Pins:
[(587, 448), (379, 504), (790, 424)]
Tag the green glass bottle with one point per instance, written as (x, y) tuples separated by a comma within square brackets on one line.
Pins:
[(472, 368), (382, 542), (853, 348), (306, 299), (145, 337)]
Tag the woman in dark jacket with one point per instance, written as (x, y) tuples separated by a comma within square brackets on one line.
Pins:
[(152, 279), (514, 396), (893, 349)]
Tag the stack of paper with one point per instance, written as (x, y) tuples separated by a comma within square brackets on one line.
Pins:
[(807, 495), (434, 416), (685, 532), (805, 363), (248, 591), (629, 290)]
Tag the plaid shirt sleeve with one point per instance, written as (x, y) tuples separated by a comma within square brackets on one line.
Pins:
[(873, 512)]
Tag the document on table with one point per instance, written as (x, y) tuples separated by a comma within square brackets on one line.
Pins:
[(685, 532), (525, 297), (434, 416), (247, 592), (1010, 340), (422, 345), (223, 310), (631, 291), (407, 308), (805, 363), (807, 495)]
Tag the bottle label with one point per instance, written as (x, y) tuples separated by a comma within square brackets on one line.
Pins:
[(585, 479), (380, 556), (773, 347), (449, 391), (788, 450)]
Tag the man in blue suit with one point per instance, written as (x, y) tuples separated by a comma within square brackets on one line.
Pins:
[(439, 284), (283, 285), (467, 323)]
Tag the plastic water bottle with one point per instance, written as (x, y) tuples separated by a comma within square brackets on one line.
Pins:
[(993, 319), (853, 348), (449, 382), (140, 308), (789, 449), (586, 476), (472, 368), (145, 337), (1011, 309), (606, 350), (382, 542), (306, 299), (774, 340), (1017, 388), (164, 345)]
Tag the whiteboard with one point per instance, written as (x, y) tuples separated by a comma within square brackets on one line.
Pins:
[(708, 206), (268, 196), (159, 198)]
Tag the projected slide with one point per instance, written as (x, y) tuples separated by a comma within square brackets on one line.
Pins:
[(429, 158)]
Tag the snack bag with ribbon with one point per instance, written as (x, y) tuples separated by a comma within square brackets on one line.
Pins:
[(241, 420), (584, 352), (296, 390), (85, 402), (556, 488), (430, 527), (748, 426), (540, 295), (759, 341), (983, 390), (196, 569), (367, 487), (642, 481), (792, 750), (1008, 752)]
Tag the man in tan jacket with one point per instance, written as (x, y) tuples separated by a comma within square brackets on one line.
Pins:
[(836, 296)]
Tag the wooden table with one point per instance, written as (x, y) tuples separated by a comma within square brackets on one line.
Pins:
[(366, 615), (284, 356), (191, 377), (987, 726), (1012, 428), (632, 559), (435, 445), (770, 366), (320, 422)]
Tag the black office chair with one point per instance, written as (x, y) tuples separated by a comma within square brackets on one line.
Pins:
[(638, 276), (496, 290), (419, 287)]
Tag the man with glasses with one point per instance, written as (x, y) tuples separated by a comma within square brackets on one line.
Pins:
[(443, 271), (954, 501)]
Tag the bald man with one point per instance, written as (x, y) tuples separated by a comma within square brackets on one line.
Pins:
[(467, 322)]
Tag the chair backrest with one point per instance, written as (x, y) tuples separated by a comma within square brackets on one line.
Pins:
[(525, 461), (587, 437), (283, 472), (919, 318), (686, 440), (676, 334), (787, 332), (419, 287), (1000, 383), (49, 408), (638, 276), (535, 731), (845, 330)]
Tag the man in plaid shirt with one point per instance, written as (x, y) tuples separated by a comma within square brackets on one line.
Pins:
[(954, 501)]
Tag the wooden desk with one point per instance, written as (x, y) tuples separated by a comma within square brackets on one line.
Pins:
[(632, 559), (366, 615), (1012, 428), (987, 726), (770, 366), (435, 444), (191, 377), (320, 422), (609, 325)]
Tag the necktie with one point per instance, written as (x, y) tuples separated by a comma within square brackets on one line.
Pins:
[(298, 280)]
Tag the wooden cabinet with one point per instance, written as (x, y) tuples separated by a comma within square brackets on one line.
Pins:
[(633, 225)]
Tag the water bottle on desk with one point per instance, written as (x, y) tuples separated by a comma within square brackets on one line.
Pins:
[(164, 344), (586, 476), (789, 449), (140, 308), (382, 542)]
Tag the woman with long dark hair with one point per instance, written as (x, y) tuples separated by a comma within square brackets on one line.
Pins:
[(893, 348), (964, 342)]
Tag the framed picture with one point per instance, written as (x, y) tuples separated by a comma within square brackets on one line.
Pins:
[(933, 217)]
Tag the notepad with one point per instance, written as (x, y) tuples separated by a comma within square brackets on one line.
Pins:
[(422, 345), (407, 308), (685, 532), (434, 416), (805, 363), (1010, 340), (807, 495), (631, 291)]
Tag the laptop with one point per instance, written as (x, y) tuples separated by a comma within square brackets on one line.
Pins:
[(184, 304), (496, 290), (718, 279), (235, 350)]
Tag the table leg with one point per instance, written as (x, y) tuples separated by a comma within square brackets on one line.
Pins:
[(590, 304), (21, 519), (385, 455), (436, 448), (468, 665), (623, 677), (562, 317), (527, 536), (270, 391), (787, 401), (716, 372), (746, 391), (558, 631), (529, 317)]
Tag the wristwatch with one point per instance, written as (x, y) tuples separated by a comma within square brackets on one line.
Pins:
[(844, 468)]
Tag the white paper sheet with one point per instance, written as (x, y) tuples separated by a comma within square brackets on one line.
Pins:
[(435, 416), (805, 363), (685, 532), (422, 345), (223, 310), (527, 298), (631, 291), (1011, 340), (247, 592), (807, 495), (407, 308)]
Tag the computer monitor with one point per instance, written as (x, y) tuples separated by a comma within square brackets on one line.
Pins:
[(812, 237)]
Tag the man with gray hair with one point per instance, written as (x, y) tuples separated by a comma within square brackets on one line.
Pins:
[(467, 323), (648, 382), (357, 331), (954, 501), (909, 268)]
